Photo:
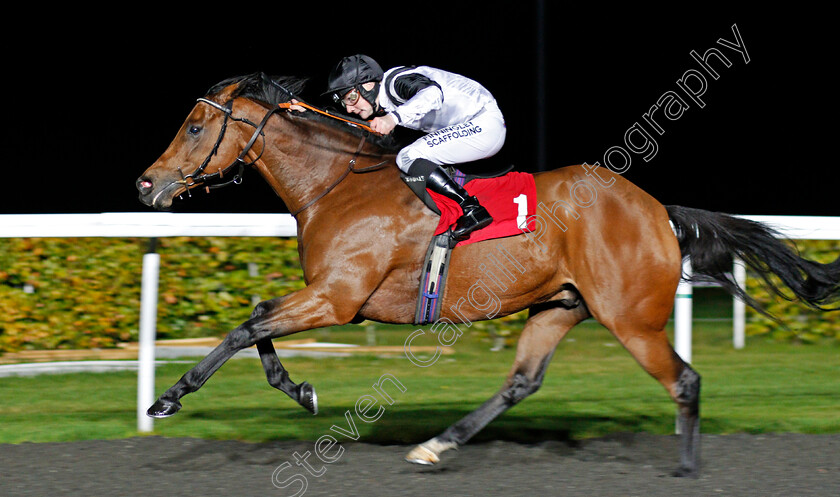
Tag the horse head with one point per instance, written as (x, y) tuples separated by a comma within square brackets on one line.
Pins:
[(217, 140), (227, 130)]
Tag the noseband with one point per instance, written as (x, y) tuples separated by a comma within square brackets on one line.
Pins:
[(199, 177)]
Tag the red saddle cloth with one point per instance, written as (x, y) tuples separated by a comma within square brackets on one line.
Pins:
[(511, 200)]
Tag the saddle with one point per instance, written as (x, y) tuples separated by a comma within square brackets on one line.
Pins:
[(510, 197), (418, 184)]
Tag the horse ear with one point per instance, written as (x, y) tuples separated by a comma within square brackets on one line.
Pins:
[(284, 89)]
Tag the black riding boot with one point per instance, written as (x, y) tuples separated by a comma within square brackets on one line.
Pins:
[(475, 216)]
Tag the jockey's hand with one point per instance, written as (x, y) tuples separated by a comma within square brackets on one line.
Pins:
[(296, 107), (384, 124)]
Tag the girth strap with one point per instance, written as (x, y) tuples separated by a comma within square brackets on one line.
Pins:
[(433, 279)]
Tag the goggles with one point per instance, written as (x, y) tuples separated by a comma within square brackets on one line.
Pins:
[(349, 98)]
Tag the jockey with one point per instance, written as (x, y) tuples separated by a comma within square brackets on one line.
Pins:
[(461, 117)]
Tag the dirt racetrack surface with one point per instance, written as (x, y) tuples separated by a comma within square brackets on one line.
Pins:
[(619, 465)]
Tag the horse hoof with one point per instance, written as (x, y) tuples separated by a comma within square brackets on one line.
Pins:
[(163, 408), (308, 398), (422, 455), (428, 452), (684, 472)]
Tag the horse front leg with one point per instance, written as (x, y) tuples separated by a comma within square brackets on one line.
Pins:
[(278, 377), (303, 310)]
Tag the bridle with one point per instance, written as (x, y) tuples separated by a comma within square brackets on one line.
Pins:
[(199, 177)]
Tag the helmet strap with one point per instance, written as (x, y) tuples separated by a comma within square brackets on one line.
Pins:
[(370, 95)]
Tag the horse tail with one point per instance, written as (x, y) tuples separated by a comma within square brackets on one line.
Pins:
[(712, 239)]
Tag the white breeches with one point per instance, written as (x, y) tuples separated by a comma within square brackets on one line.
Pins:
[(478, 138)]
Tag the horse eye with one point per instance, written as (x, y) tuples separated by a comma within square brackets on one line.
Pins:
[(194, 130)]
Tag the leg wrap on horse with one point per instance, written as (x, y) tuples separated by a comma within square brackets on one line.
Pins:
[(278, 377), (688, 398), (521, 386), (517, 388), (688, 390)]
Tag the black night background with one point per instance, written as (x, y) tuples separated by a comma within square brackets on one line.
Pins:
[(92, 101)]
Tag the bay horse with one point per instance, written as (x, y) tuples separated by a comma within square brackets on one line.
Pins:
[(363, 234)]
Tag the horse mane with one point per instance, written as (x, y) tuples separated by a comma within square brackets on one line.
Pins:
[(273, 90)]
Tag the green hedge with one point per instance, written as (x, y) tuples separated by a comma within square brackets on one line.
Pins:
[(800, 324), (85, 293)]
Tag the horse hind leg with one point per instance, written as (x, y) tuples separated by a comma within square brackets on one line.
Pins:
[(654, 353), (543, 331), (688, 399)]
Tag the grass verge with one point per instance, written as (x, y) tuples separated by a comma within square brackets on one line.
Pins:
[(593, 387)]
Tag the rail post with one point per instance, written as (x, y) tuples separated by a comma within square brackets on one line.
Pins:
[(682, 314), (146, 354), (739, 309)]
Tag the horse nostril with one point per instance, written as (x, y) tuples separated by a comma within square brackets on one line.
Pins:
[(144, 185)]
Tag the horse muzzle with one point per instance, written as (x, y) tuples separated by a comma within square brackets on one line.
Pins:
[(154, 196)]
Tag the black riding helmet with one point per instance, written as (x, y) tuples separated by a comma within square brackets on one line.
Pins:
[(353, 72)]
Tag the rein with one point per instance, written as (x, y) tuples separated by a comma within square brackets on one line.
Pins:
[(352, 122), (198, 177), (350, 166), (350, 169)]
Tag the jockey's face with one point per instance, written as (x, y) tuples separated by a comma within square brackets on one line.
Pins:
[(354, 103)]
